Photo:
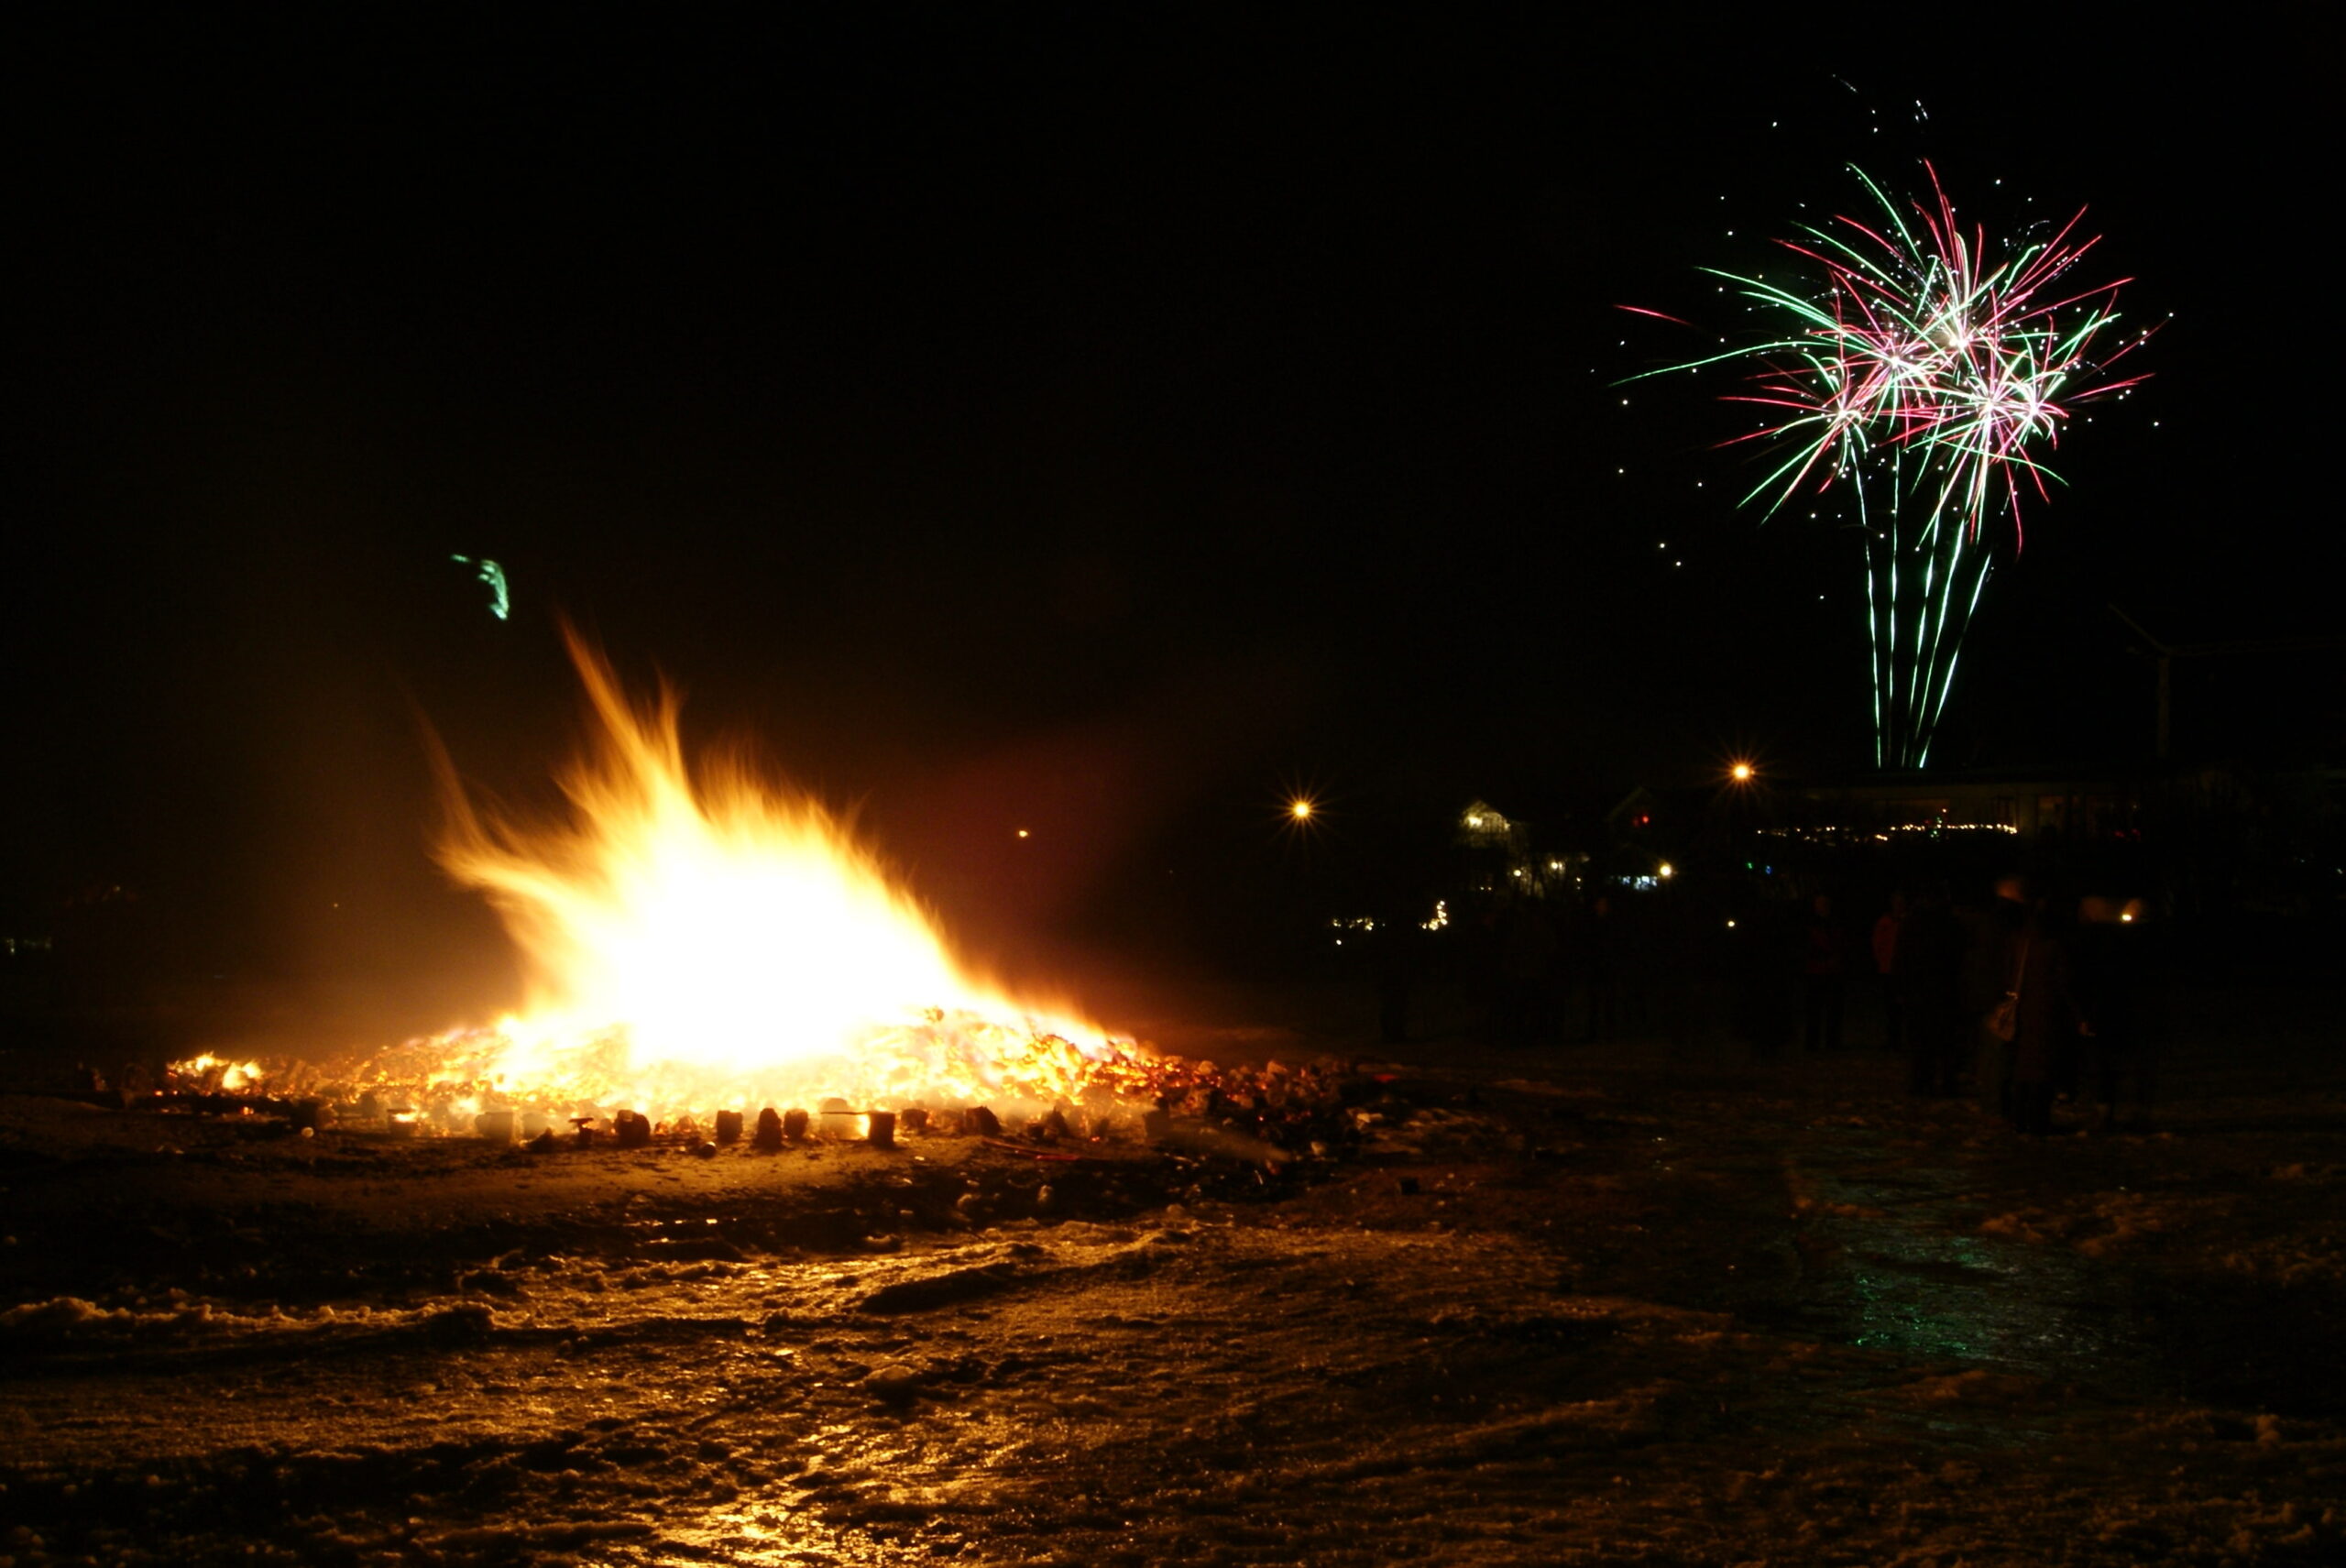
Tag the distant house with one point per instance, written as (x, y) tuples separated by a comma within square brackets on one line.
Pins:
[(1482, 826), (1501, 861)]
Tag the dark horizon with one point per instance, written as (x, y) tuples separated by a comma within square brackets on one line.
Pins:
[(1076, 420)]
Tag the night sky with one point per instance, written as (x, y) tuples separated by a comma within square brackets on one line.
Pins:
[(1062, 420)]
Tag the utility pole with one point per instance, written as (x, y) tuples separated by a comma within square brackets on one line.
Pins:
[(2166, 654)]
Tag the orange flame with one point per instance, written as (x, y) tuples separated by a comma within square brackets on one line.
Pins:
[(698, 937)]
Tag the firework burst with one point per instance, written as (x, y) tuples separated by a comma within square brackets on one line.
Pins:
[(1929, 373)]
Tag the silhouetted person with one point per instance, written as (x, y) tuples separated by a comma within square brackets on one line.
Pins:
[(1988, 973), (1638, 949), (2049, 1021), (1691, 950), (2108, 970), (1601, 962), (1762, 944), (1929, 972), (1824, 978), (1527, 961), (1886, 935)]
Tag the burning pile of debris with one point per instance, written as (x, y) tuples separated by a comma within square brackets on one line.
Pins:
[(714, 960), (1266, 1114)]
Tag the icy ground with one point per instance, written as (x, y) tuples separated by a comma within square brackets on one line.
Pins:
[(1553, 1307)]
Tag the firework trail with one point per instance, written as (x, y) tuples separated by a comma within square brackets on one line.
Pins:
[(1929, 374)]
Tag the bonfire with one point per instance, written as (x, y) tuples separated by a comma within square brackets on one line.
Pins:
[(696, 936)]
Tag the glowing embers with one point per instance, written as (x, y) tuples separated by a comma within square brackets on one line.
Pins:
[(697, 936), (213, 1073)]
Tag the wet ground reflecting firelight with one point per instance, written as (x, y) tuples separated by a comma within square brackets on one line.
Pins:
[(1547, 1309)]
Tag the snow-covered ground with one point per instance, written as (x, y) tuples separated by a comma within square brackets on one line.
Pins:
[(1548, 1306)]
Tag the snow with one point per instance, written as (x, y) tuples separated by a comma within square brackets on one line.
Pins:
[(1560, 1306)]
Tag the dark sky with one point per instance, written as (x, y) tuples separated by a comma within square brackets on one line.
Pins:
[(1059, 417)]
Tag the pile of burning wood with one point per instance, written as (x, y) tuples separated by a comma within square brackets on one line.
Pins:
[(1268, 1113)]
